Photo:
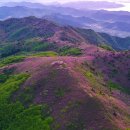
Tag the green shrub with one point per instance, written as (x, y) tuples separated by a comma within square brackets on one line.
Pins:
[(9, 49), (26, 96), (74, 51), (11, 85), (115, 86), (45, 112), (91, 77), (13, 115), (95, 79), (5, 75), (89, 74), (106, 47), (9, 71), (10, 60), (47, 53), (38, 46), (3, 78), (70, 51)]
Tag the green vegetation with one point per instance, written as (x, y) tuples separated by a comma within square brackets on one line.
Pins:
[(47, 53), (26, 96), (32, 45), (5, 75), (10, 60), (3, 78), (91, 36), (60, 92), (106, 47), (9, 49), (94, 80), (10, 86), (13, 115), (70, 51), (20, 57), (115, 86), (9, 71), (89, 74), (23, 31), (35, 45)]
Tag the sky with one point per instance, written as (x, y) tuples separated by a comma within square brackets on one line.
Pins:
[(125, 2), (61, 1)]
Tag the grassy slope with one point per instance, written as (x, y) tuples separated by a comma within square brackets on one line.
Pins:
[(13, 115), (74, 94)]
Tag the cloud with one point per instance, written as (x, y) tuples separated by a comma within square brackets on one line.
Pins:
[(46, 1)]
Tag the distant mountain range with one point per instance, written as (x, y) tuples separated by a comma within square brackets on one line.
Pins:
[(114, 28), (116, 23), (77, 5), (25, 4)]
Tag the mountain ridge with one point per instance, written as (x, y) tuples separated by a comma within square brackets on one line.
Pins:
[(12, 30), (55, 77)]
